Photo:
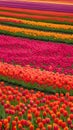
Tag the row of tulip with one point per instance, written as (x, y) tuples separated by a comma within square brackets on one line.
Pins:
[(37, 12), (38, 17), (21, 109), (37, 25), (45, 55), (37, 78), (36, 34), (57, 1), (60, 1), (38, 6)]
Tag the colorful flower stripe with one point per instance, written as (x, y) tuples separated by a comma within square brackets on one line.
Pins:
[(61, 1), (37, 24), (32, 110), (67, 38), (37, 12), (43, 24), (38, 6), (46, 55), (13, 20), (11, 14), (50, 1), (40, 28), (31, 75), (37, 17)]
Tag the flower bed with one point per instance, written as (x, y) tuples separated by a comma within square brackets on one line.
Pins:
[(38, 17), (38, 6), (38, 79), (21, 109), (37, 25), (38, 75), (37, 12), (54, 57), (36, 34)]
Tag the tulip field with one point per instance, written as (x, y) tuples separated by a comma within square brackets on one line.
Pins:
[(36, 65), (28, 110)]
